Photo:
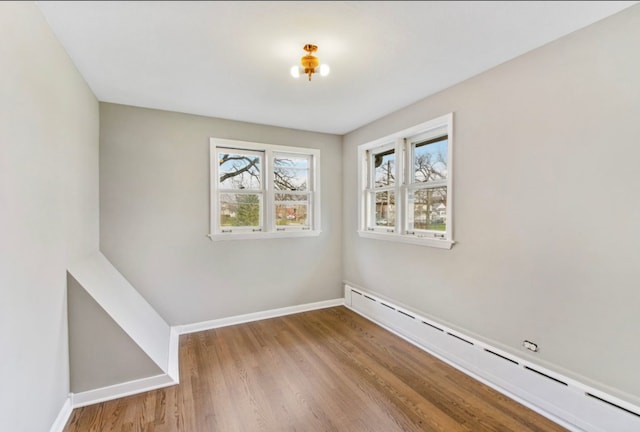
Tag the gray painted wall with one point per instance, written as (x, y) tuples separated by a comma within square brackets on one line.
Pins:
[(546, 212), (48, 211), (546, 208), (100, 352), (154, 219)]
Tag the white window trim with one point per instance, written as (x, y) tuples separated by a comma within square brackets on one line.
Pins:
[(370, 189), (398, 139), (269, 229)]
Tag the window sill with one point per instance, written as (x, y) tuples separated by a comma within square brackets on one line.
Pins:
[(421, 241), (262, 235)]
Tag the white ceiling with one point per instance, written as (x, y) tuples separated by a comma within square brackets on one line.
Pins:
[(232, 59)]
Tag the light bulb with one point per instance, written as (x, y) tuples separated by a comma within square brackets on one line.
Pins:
[(295, 71), (324, 70)]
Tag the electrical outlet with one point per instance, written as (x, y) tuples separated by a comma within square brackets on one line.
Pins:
[(530, 346)]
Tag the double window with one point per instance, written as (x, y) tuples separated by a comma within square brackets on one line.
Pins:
[(405, 185), (262, 190)]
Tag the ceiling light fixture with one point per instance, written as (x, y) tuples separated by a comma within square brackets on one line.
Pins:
[(309, 64)]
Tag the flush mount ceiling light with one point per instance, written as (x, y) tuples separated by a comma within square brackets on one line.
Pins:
[(309, 63)]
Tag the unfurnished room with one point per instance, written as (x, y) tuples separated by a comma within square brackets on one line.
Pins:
[(221, 216)]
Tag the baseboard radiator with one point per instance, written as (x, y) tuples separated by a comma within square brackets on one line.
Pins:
[(574, 405)]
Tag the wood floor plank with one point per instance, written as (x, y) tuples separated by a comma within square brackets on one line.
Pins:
[(398, 400), (325, 370)]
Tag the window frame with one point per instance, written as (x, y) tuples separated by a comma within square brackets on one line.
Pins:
[(269, 228), (372, 189), (403, 143), (261, 192)]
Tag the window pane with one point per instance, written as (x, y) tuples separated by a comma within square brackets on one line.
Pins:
[(291, 173), (292, 214), (292, 209), (430, 160), (385, 209), (239, 170), (384, 165), (240, 210), (429, 209)]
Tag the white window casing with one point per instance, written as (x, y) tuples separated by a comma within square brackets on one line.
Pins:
[(405, 185), (272, 192)]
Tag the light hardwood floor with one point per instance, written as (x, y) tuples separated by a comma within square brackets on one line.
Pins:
[(325, 370)]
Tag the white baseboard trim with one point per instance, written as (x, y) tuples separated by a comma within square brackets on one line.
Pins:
[(63, 416), (574, 405), (256, 316), (116, 391), (129, 388)]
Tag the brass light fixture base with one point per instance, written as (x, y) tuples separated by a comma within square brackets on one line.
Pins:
[(310, 62)]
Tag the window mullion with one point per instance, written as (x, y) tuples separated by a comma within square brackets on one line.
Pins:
[(408, 178), (263, 182), (371, 172), (401, 197), (269, 209)]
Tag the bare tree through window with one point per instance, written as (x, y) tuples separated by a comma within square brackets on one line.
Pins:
[(429, 204), (263, 190), (240, 173), (384, 178), (291, 175), (244, 172)]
